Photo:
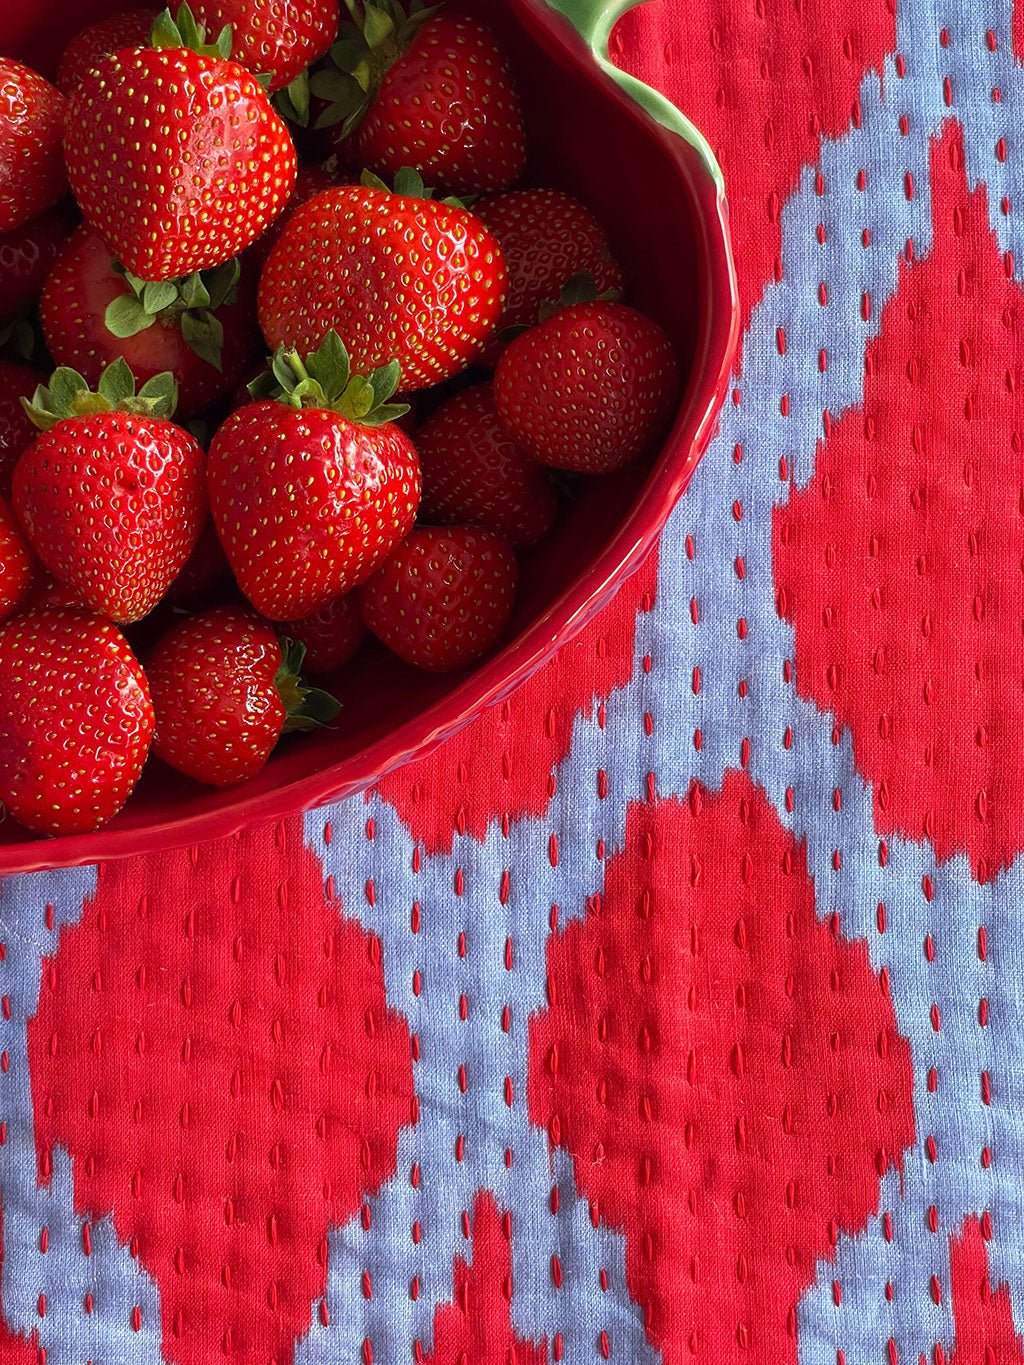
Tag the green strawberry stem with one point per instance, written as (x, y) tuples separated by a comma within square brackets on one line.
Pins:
[(306, 708), (190, 304), (68, 395), (581, 288), (409, 184), (366, 49), (324, 380)]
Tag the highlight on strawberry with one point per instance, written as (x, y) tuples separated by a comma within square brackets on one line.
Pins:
[(452, 347)]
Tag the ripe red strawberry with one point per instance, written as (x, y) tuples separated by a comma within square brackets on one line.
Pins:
[(112, 502), (312, 487), (47, 593), (32, 174), (128, 28), (330, 636), (434, 92), (280, 37), (75, 721), (17, 568), (27, 254), (16, 431), (547, 238), (398, 276), (129, 171), (224, 690), (589, 389), (200, 329), (443, 597), (473, 472)]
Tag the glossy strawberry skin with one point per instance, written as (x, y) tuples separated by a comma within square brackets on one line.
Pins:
[(17, 567), (128, 28), (112, 504), (27, 255), (443, 597), (16, 432), (74, 302), (546, 237), (75, 721), (475, 474), (32, 173), (589, 389), (331, 635), (307, 503), (280, 37), (398, 278), (133, 189), (218, 713), (448, 108)]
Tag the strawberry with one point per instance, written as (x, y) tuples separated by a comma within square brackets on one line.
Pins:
[(75, 721), (16, 431), (280, 37), (129, 170), (428, 90), (443, 597), (127, 28), (17, 568), (312, 486), (200, 329), (111, 496), (589, 388), (474, 472), (32, 173), (47, 593), (224, 690), (330, 636), (27, 254), (398, 276), (547, 238)]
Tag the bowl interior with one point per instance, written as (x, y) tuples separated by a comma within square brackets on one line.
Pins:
[(585, 138)]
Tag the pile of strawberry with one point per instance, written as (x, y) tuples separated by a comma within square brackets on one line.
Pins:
[(431, 360)]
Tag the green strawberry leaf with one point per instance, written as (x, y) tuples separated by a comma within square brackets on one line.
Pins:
[(306, 708), (193, 292), (330, 366), (377, 26), (324, 380), (165, 32), (223, 43), (384, 383), (265, 385), (374, 182), (204, 334), (221, 283), (409, 182), (157, 296), (117, 382), (162, 393), (580, 288), (65, 386), (126, 316), (292, 103)]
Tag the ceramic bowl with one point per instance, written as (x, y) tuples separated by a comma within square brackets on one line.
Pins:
[(651, 178)]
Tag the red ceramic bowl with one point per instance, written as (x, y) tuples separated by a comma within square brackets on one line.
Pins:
[(650, 177)]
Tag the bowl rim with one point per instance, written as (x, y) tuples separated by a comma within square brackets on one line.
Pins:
[(582, 36)]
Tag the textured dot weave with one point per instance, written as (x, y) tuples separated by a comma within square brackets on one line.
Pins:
[(670, 1014)]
